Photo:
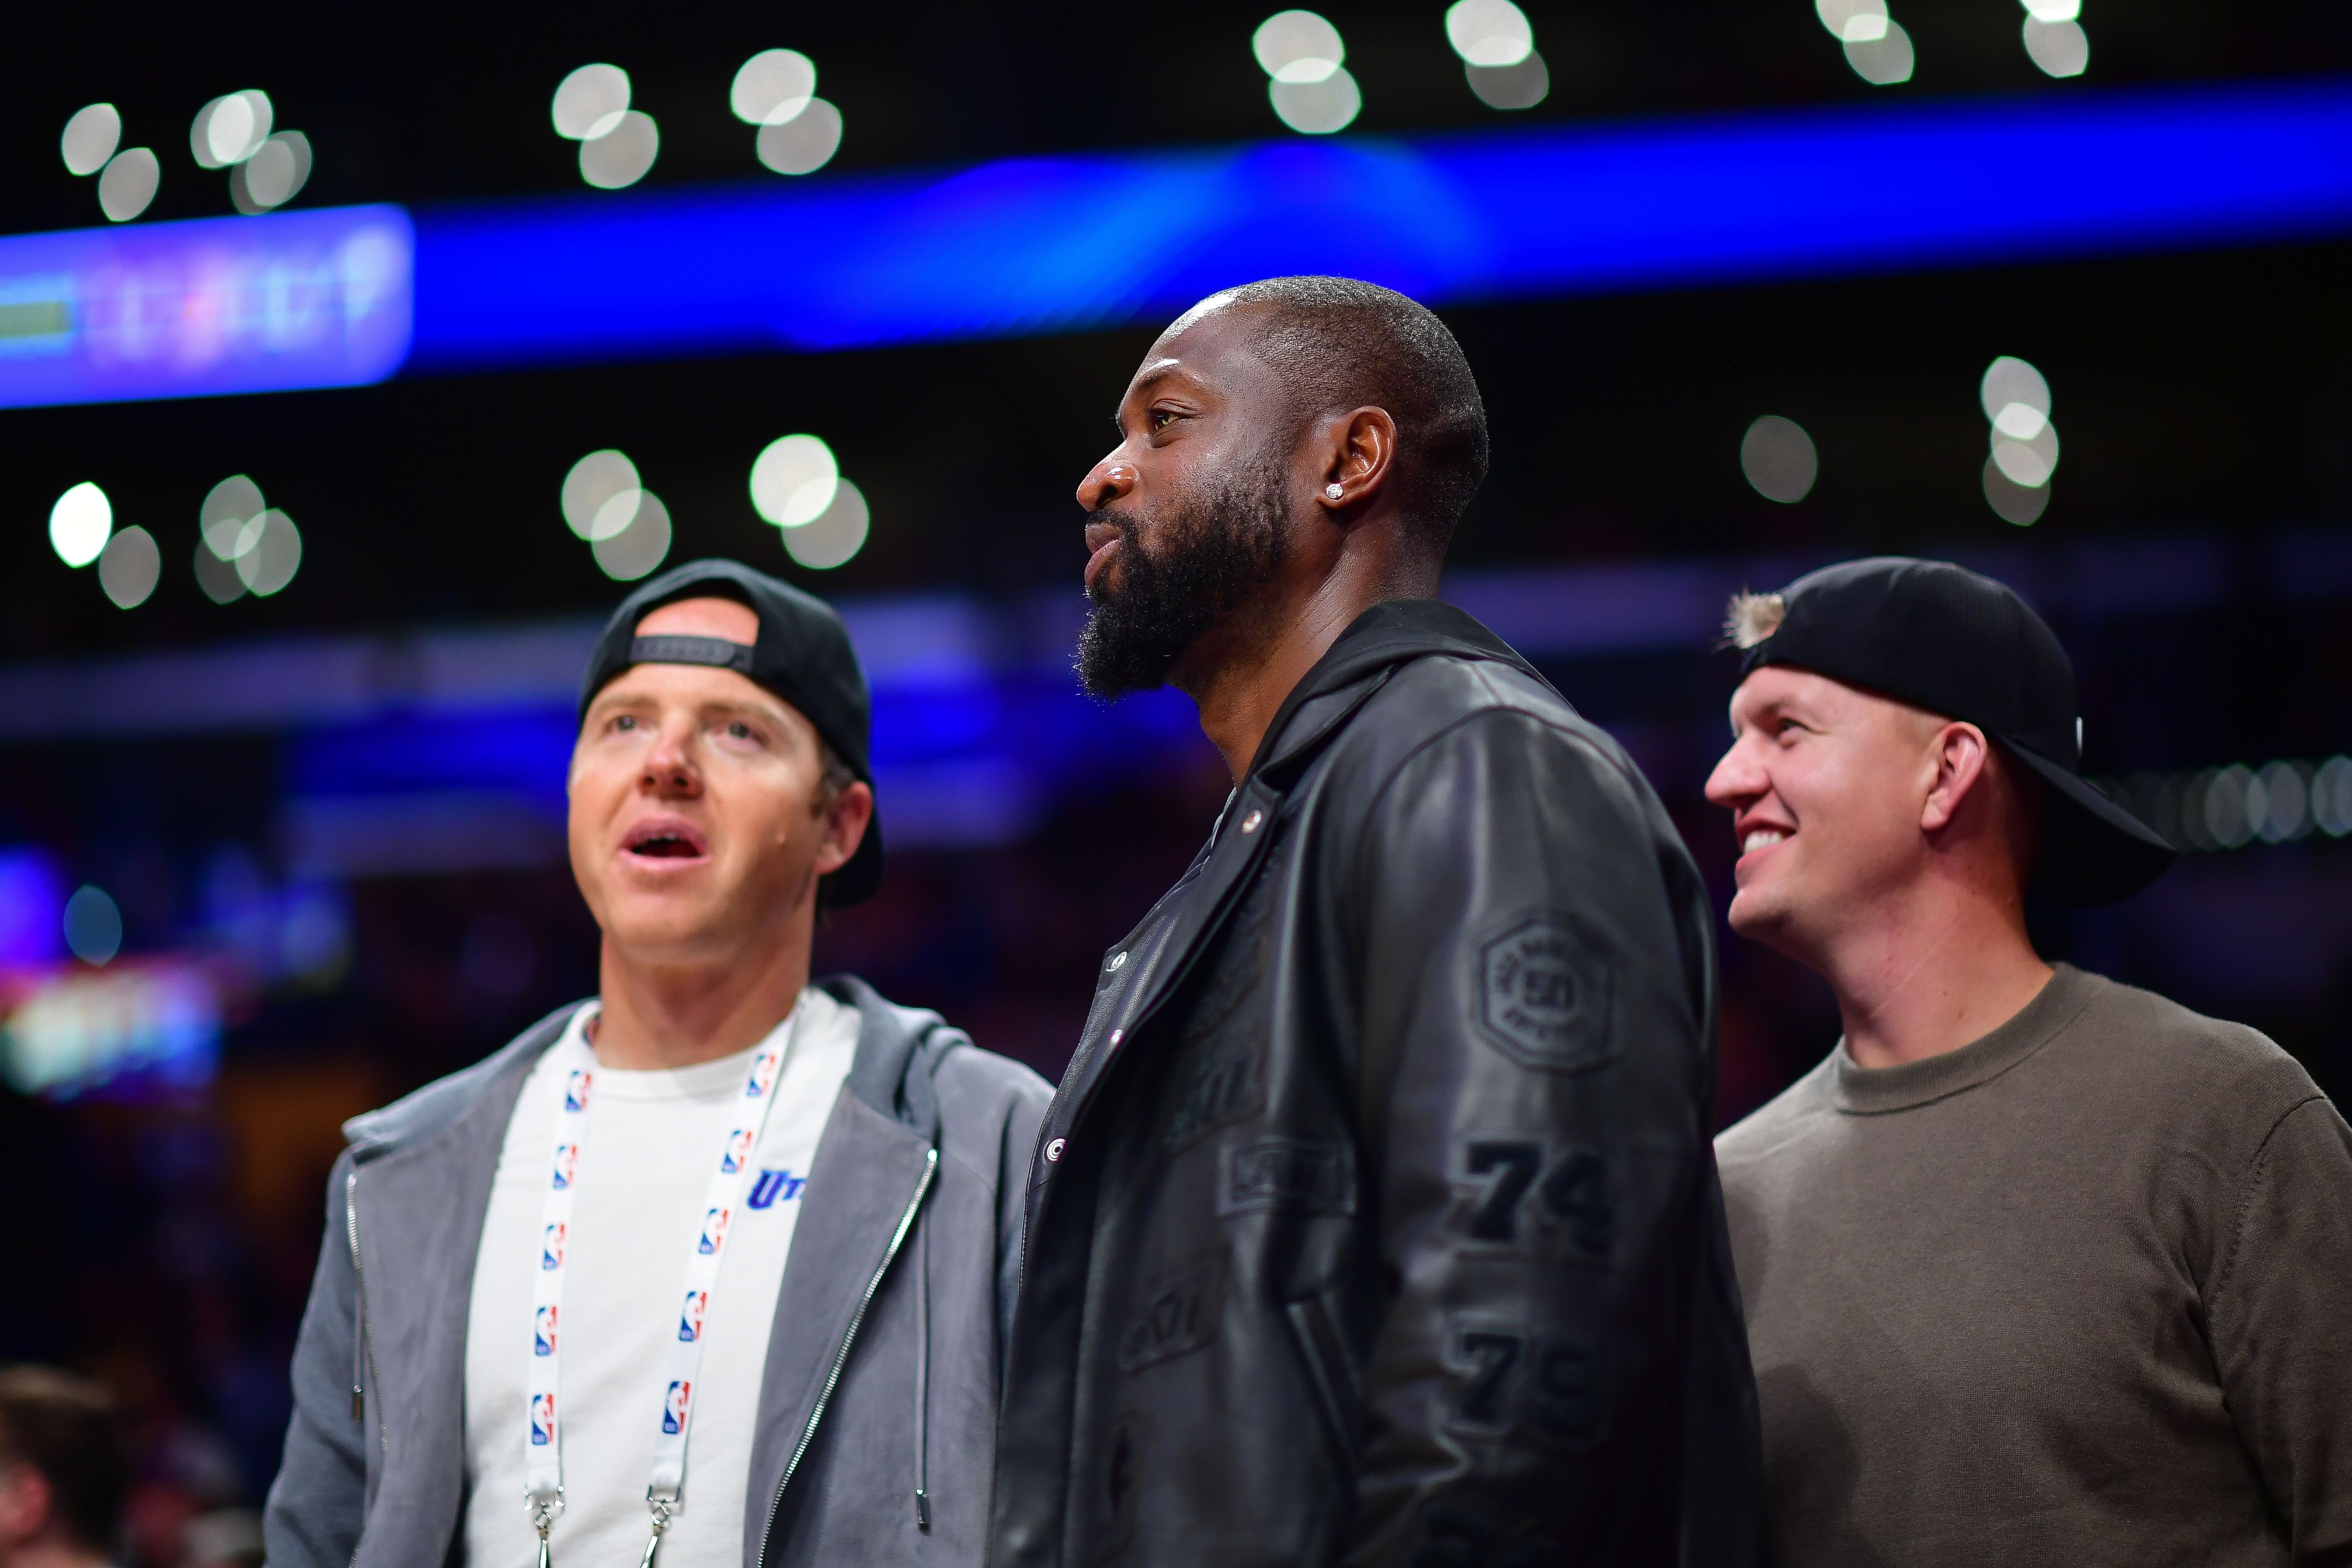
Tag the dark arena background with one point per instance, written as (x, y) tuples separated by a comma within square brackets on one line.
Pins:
[(306, 339)]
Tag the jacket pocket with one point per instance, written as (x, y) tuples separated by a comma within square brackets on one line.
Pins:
[(1331, 1372)]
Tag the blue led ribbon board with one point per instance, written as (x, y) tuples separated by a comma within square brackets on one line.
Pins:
[(195, 309), (1036, 246)]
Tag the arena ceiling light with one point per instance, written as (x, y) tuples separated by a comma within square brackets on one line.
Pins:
[(2054, 39), (80, 523), (90, 138), (626, 526), (1498, 46), (2016, 400), (1302, 54), (1779, 459), (231, 128), (775, 90)]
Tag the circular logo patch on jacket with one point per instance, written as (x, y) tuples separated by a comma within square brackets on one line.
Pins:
[(1544, 995)]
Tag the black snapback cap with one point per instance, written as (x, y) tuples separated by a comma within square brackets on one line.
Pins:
[(803, 655), (1946, 639)]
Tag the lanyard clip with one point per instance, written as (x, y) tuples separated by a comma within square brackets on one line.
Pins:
[(660, 1507), (544, 1510)]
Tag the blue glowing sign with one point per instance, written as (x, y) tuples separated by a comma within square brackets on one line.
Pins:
[(194, 310), (1036, 246)]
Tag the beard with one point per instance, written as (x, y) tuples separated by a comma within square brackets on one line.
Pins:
[(1217, 549)]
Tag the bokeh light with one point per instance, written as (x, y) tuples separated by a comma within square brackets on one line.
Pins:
[(272, 176), (2012, 380), (1298, 47), (1779, 459), (80, 523), (834, 535), (231, 128), (621, 154), (129, 566), (590, 101), (1520, 85), (1882, 61), (129, 184), (595, 483), (2029, 463), (268, 563), (640, 546), (2013, 502), (2285, 801), (792, 480), (1489, 32), (2331, 796), (803, 144), (93, 926), (230, 519), (90, 138), (1317, 107), (2060, 48), (773, 86), (216, 577)]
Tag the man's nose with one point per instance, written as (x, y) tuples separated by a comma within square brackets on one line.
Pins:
[(1737, 779), (670, 765), (1106, 481)]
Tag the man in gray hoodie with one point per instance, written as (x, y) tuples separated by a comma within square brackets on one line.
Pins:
[(713, 1268)]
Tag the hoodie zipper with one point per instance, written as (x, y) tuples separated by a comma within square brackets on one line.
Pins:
[(359, 1291), (841, 1357)]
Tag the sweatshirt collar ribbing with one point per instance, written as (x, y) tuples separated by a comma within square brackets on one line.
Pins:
[(1871, 1092)]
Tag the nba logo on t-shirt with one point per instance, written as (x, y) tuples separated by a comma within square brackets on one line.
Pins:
[(575, 1092), (542, 1331), (567, 1159), (674, 1407), (714, 1231), (689, 1320), (550, 1246), (739, 1151), (763, 1075), (543, 1419)]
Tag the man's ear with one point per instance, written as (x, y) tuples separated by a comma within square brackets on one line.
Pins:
[(845, 819), (1360, 454), (1962, 757)]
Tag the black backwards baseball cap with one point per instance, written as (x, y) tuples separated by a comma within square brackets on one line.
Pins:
[(1945, 639), (803, 655)]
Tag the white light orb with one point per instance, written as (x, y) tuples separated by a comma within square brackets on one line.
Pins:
[(230, 519), (230, 129), (1883, 59), (1489, 32), (93, 926), (271, 176), (1521, 86), (1317, 107), (2012, 502), (594, 480), (804, 143), (792, 480), (129, 184), (2029, 463), (90, 138), (1778, 458), (1853, 21), (270, 563), (588, 97), (640, 547), (2012, 380), (217, 578), (129, 566), (1298, 42), (772, 87), (80, 523), (834, 535), (622, 152), (2058, 48)]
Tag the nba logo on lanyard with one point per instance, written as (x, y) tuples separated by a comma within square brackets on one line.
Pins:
[(714, 1232), (763, 1075), (542, 1420), (689, 1321), (567, 1157), (674, 1407), (550, 1246), (575, 1092), (542, 1331), (739, 1151)]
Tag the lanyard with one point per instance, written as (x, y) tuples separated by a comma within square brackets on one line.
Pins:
[(572, 1081)]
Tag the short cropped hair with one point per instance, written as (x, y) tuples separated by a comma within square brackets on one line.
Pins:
[(1341, 343), (66, 1428)]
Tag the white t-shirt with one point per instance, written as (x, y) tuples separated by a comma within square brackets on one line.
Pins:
[(651, 1140)]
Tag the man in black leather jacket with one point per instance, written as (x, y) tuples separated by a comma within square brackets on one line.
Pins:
[(1376, 1219)]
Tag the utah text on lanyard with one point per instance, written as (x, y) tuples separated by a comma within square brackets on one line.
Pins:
[(575, 1071)]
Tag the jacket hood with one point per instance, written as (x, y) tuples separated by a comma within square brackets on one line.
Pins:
[(899, 1053), (1387, 635)]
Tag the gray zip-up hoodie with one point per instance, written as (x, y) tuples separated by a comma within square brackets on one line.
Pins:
[(876, 1430)]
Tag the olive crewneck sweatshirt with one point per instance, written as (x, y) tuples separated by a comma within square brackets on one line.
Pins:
[(2079, 1292)]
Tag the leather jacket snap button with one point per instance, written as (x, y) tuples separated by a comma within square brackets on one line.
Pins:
[(1249, 823), (1054, 1151), (1117, 959)]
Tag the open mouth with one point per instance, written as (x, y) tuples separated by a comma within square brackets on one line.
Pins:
[(665, 841)]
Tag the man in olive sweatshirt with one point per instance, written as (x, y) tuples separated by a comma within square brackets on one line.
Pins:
[(2038, 1268)]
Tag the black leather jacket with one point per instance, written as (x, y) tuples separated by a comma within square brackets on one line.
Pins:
[(1376, 1219)]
